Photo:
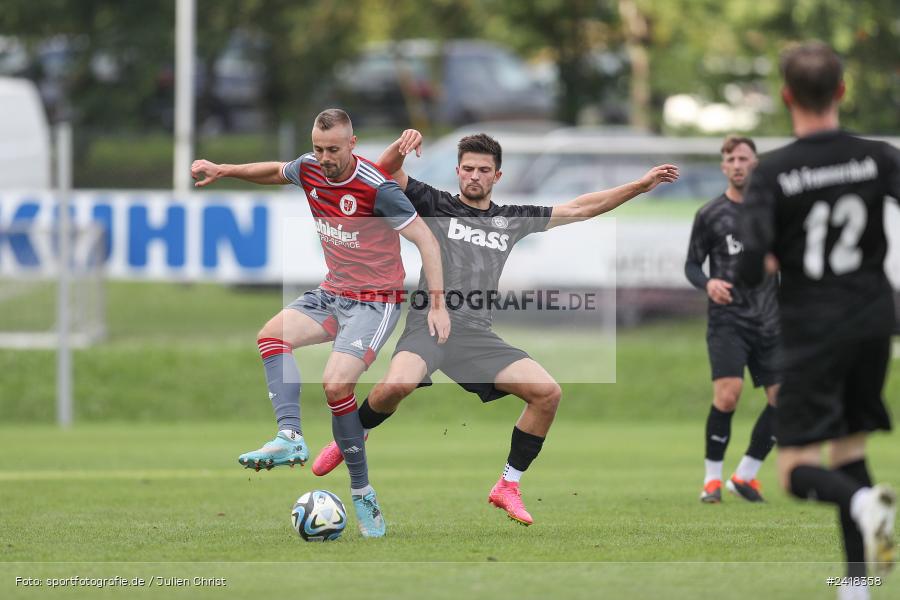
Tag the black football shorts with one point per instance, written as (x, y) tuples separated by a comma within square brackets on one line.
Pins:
[(731, 348), (832, 390), (470, 357)]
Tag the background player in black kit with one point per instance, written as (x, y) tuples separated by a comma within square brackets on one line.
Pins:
[(476, 237), (742, 331), (818, 206)]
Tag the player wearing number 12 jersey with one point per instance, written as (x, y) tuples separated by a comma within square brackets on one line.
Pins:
[(817, 205)]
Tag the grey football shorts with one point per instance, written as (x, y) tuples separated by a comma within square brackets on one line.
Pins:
[(358, 328)]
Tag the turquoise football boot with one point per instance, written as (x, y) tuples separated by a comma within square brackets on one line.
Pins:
[(287, 448), (368, 515)]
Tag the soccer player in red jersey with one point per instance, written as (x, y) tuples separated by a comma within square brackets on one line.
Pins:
[(359, 211)]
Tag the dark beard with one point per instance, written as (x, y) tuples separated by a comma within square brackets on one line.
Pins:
[(480, 195)]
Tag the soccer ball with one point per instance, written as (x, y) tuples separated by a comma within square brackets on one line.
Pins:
[(319, 516)]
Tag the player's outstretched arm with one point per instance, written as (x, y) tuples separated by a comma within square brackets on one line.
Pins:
[(419, 234), (391, 160), (267, 173), (590, 205)]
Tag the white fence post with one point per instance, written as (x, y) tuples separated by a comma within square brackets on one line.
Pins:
[(64, 403), (185, 34)]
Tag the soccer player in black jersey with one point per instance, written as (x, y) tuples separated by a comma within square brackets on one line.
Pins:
[(742, 331), (476, 237), (817, 205)]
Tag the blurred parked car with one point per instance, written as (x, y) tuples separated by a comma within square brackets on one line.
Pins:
[(521, 142), (453, 82), (55, 62), (229, 93), (582, 160), (231, 98), (559, 163)]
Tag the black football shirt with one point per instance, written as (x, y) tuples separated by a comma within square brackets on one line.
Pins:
[(474, 247), (716, 234), (818, 205)]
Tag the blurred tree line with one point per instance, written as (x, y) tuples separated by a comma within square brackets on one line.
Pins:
[(621, 55)]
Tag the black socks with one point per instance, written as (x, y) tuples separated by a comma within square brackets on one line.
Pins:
[(523, 449), (718, 431), (762, 439), (369, 418), (816, 483)]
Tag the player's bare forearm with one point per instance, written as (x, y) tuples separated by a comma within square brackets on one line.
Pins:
[(597, 203), (391, 160), (594, 204), (265, 173)]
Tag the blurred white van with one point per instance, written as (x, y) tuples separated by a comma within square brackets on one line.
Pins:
[(24, 137)]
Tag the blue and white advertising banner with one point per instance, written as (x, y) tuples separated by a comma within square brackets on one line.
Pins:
[(271, 238), (231, 237)]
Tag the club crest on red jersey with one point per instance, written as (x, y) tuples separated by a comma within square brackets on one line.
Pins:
[(348, 204)]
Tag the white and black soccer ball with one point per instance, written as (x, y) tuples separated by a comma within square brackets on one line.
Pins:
[(319, 516)]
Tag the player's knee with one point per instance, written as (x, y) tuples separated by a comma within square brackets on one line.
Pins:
[(546, 397), (270, 330), (337, 390), (726, 401), (395, 391)]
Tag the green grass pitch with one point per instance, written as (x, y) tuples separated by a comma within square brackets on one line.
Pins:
[(146, 484)]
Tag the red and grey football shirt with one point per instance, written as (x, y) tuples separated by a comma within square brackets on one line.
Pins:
[(362, 251)]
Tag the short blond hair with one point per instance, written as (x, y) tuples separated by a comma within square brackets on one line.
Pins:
[(332, 117)]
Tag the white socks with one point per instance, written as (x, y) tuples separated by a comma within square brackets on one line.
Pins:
[(361, 491), (748, 468), (511, 474), (858, 501), (291, 434), (713, 470)]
